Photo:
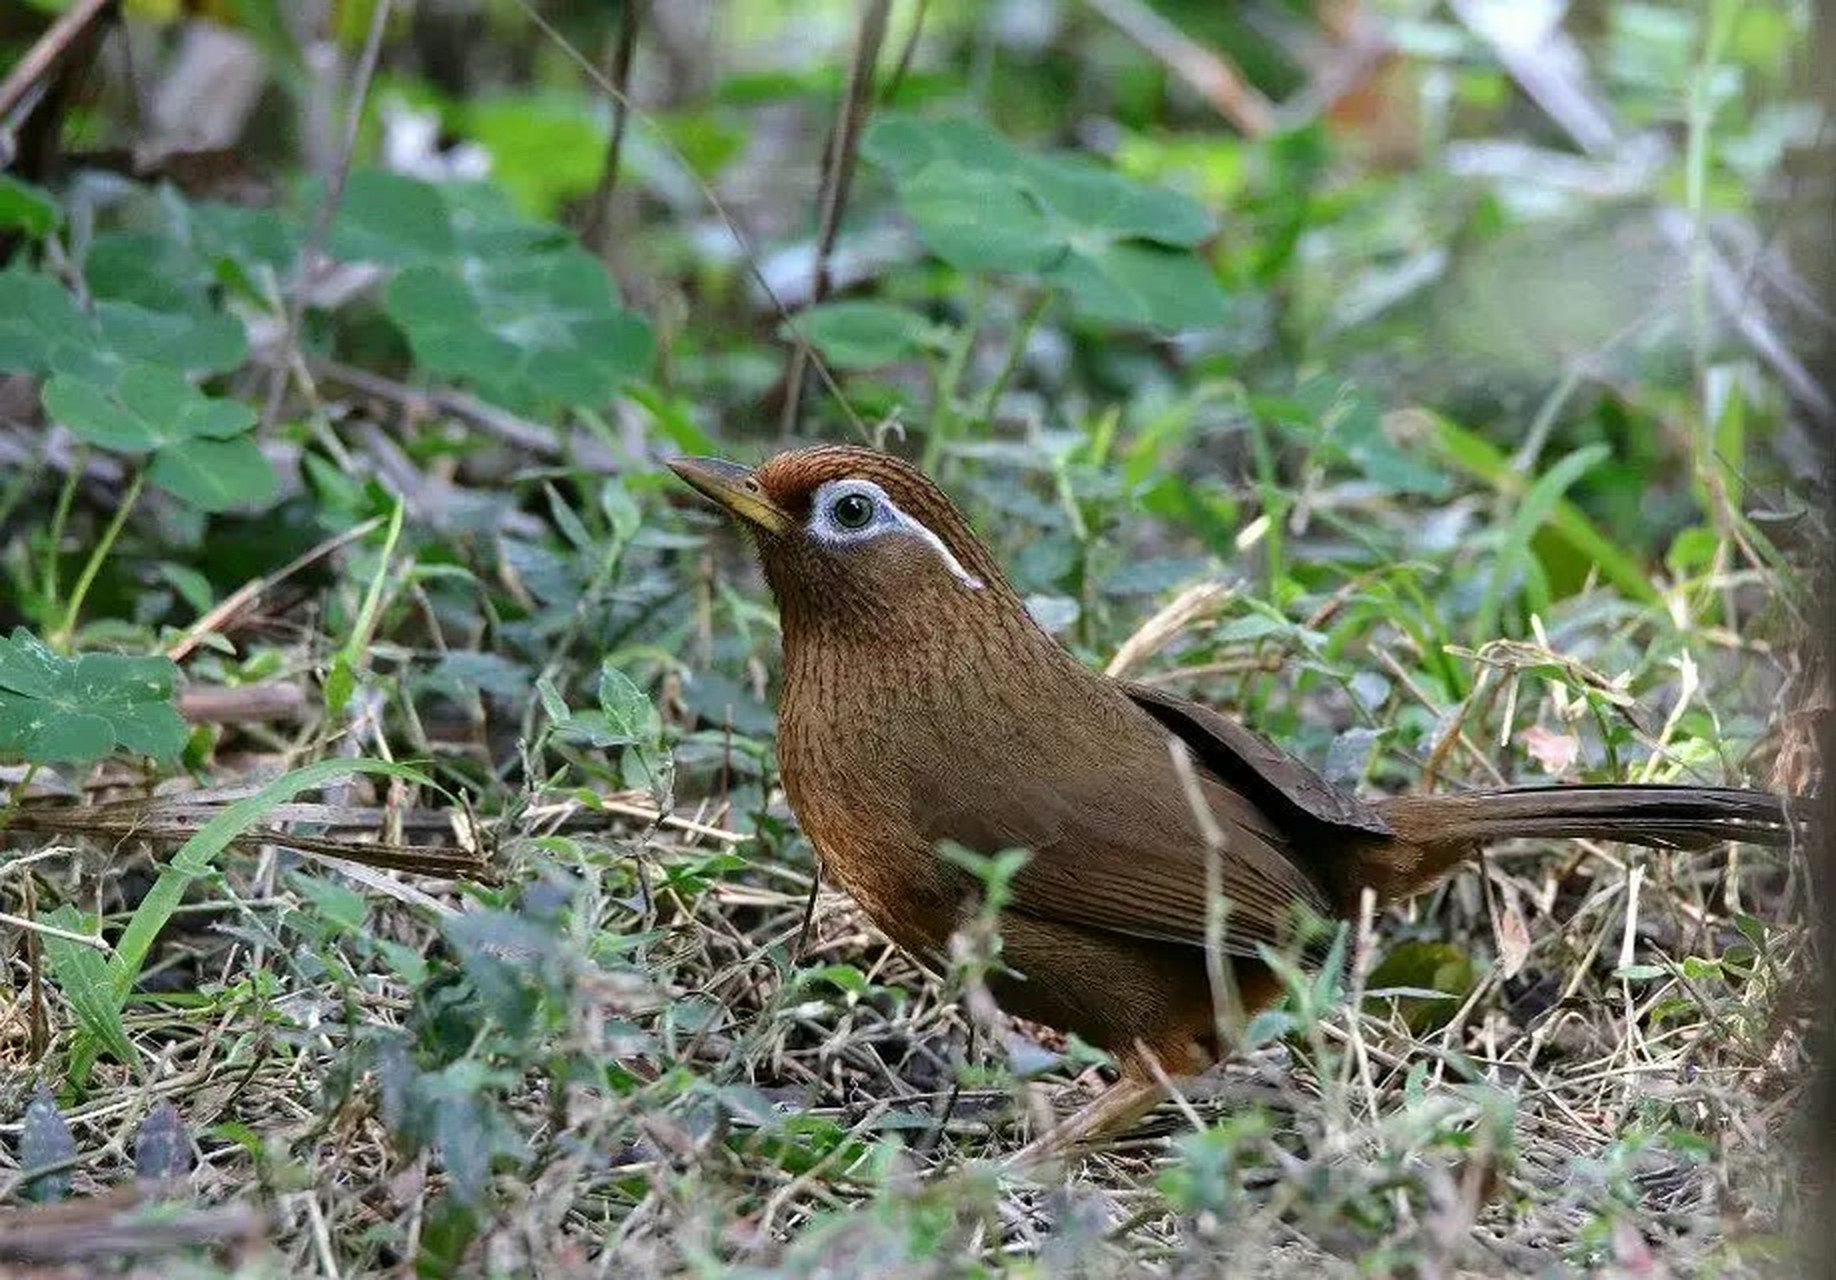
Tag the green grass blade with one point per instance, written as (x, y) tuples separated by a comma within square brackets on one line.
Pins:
[(81, 973), (196, 855), (1516, 552), (1481, 459)]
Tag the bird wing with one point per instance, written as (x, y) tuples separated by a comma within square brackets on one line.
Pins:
[(1116, 845), (1279, 782)]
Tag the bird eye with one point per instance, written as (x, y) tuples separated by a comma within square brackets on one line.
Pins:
[(852, 511)]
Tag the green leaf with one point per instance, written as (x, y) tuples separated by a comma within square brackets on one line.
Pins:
[(28, 208), (56, 710), (1087, 198), (194, 437), (861, 335), (626, 707), (1139, 284), (203, 342), (344, 909), (40, 326), (82, 975), (904, 144), (528, 331), (195, 856), (1427, 980), (390, 219), (1119, 248), (544, 150), (150, 406), (621, 512), (979, 221), (156, 272), (1479, 457), (216, 475), (1514, 552)]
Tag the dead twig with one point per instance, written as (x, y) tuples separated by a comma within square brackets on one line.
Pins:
[(838, 178), (599, 224), (1214, 76), (61, 42), (313, 249)]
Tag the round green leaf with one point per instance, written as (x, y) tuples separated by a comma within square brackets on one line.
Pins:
[(149, 406), (1135, 283), (39, 322), (57, 710), (92, 414), (1091, 199), (201, 341), (979, 221), (528, 330), (391, 219), (861, 335), (215, 475)]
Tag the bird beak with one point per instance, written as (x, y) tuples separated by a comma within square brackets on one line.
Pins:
[(734, 487)]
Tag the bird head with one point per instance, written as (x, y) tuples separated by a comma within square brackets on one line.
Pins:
[(854, 536)]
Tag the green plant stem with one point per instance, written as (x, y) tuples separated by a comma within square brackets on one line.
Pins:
[(1015, 354), (944, 416), (59, 517), (61, 640), (16, 796)]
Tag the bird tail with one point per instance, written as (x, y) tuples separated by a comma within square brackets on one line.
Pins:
[(1434, 834)]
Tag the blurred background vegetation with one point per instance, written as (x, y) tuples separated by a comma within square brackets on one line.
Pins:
[(394, 874)]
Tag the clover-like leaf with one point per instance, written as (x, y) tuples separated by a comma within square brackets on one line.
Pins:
[(391, 219), (1090, 199), (1118, 248), (215, 475), (977, 220), (149, 406), (39, 323), (58, 710), (240, 242), (201, 341), (200, 453), (1136, 283), (528, 330), (905, 144), (154, 271), (862, 335)]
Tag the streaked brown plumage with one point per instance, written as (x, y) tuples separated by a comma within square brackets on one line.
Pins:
[(922, 704)]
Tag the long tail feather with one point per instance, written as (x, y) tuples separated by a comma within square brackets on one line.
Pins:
[(1437, 833)]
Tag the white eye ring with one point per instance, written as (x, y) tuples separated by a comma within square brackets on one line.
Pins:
[(845, 512)]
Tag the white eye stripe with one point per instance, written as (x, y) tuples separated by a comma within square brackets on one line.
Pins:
[(887, 518)]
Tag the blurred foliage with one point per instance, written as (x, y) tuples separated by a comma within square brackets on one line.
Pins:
[(1496, 475)]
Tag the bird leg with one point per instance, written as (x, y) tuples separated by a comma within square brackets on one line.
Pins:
[(1135, 1093)]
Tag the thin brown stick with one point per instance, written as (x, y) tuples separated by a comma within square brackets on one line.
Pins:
[(748, 256), (328, 210), (599, 226), (838, 178), (1209, 72), (45, 56), (907, 52), (248, 593)]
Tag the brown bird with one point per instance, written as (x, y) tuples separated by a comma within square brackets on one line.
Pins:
[(922, 704)]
